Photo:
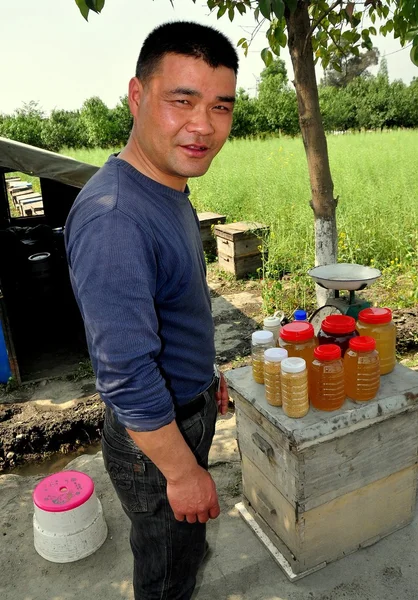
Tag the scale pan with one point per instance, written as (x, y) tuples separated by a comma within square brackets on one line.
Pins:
[(344, 276)]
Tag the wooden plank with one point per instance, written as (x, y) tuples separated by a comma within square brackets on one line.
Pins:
[(272, 506), (21, 195), (240, 230), (339, 527), (278, 464), (272, 543), (21, 192), (242, 406), (206, 235), (30, 199), (210, 218), (15, 186), (33, 208), (241, 266), (358, 519), (250, 246), (334, 468)]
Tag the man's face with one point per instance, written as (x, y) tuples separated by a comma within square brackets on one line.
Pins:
[(182, 117)]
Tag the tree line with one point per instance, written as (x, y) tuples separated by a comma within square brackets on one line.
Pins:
[(352, 99)]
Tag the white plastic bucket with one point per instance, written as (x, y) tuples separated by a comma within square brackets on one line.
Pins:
[(68, 521)]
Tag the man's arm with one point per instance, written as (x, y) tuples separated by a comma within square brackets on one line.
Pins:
[(113, 270), (191, 490)]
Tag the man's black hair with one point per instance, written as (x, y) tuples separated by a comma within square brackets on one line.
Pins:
[(189, 39)]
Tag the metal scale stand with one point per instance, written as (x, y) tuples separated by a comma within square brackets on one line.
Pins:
[(337, 277)]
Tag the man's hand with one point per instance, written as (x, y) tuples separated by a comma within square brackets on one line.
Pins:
[(222, 397), (194, 497), (191, 490)]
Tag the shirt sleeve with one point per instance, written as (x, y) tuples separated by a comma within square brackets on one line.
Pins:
[(113, 268)]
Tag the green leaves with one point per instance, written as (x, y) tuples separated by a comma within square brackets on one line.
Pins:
[(267, 56), (278, 8), (95, 5), (265, 8), (280, 37), (336, 27), (244, 43), (414, 54), (85, 6)]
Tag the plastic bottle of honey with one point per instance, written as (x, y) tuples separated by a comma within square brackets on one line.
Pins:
[(377, 323), (272, 375), (337, 329), (326, 381), (260, 341), (298, 338), (295, 400), (361, 369), (273, 324)]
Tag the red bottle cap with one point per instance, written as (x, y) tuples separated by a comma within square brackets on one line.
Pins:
[(327, 352), (297, 331), (375, 315), (362, 343), (338, 324)]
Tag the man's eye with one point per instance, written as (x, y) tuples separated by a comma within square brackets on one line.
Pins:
[(222, 108), (184, 102)]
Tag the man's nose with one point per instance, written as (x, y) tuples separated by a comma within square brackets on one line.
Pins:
[(200, 122)]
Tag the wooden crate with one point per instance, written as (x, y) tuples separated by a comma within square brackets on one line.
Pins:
[(326, 485), (207, 221), (240, 247)]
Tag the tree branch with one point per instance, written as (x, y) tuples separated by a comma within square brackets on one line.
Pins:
[(330, 9), (318, 21)]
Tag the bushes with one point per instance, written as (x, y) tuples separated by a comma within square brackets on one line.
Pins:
[(367, 102)]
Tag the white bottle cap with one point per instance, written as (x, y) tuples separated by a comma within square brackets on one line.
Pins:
[(262, 337), (275, 354), (293, 364), (271, 322)]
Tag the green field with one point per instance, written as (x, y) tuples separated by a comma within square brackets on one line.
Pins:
[(375, 178)]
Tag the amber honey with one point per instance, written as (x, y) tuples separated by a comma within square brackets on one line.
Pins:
[(326, 379), (361, 369)]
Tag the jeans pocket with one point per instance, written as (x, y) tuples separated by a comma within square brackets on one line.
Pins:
[(127, 472), (193, 431)]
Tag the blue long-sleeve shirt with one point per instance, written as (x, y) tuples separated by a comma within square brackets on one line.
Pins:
[(139, 277)]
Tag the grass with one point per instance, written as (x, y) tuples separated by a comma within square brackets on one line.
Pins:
[(267, 181)]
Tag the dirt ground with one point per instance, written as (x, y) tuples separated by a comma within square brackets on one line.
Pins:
[(63, 416)]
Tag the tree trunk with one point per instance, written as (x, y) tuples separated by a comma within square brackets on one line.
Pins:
[(314, 140)]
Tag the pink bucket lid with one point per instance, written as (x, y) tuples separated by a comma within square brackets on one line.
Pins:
[(63, 491)]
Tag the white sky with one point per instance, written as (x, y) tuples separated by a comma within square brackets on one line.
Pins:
[(50, 54)]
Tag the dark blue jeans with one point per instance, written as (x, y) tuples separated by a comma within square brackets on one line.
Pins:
[(167, 553)]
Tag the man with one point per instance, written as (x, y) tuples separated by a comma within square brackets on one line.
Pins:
[(139, 277)]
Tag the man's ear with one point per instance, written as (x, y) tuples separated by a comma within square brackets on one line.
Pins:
[(134, 95)]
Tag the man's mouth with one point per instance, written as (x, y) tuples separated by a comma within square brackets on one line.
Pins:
[(195, 150)]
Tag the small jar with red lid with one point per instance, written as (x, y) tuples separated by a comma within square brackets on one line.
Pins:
[(377, 323), (361, 369), (299, 339), (339, 330)]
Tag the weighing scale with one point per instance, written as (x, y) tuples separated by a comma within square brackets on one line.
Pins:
[(337, 277)]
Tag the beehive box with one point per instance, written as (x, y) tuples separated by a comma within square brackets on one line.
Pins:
[(326, 485), (240, 247), (207, 221)]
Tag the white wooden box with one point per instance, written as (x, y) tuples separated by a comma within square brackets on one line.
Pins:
[(326, 485)]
